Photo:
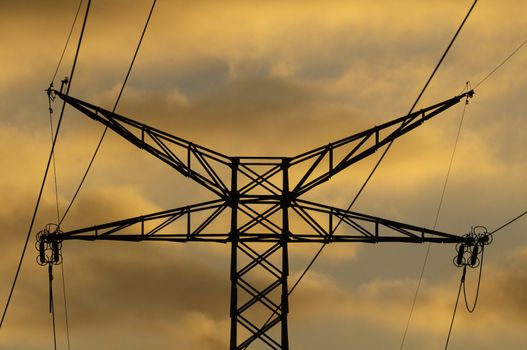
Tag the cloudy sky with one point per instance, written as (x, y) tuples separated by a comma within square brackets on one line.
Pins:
[(266, 78)]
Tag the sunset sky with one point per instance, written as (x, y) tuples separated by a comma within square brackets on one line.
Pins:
[(266, 78)]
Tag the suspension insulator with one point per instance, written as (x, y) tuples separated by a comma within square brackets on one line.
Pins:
[(460, 253), (474, 256), (42, 252), (56, 253)]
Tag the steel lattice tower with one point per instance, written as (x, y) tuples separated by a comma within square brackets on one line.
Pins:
[(259, 210)]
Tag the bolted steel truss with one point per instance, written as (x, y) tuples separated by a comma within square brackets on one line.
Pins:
[(258, 209)]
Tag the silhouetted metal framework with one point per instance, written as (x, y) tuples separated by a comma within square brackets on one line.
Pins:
[(258, 210)]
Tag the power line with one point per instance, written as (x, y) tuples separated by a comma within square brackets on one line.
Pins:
[(46, 170), (296, 283), (54, 162), (114, 108), (390, 144), (455, 306), (413, 106), (58, 218), (501, 64), (378, 163), (306, 269), (388, 148), (462, 285), (67, 42), (427, 253), (86, 173), (52, 304), (56, 182), (440, 206), (509, 222)]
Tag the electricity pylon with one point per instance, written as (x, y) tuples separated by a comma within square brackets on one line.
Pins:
[(258, 210)]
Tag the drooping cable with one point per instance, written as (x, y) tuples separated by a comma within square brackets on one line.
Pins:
[(439, 207), (461, 283), (113, 110), (469, 308), (37, 205), (501, 64)]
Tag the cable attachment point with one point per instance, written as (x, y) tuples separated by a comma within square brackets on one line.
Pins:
[(49, 247), (469, 251), (63, 83), (51, 96), (470, 92)]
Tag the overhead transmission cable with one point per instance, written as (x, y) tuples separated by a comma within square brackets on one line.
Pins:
[(414, 105), (439, 207), (380, 160), (113, 110), (427, 253), (462, 284), (51, 304), (63, 279), (67, 41), (391, 142), (501, 64), (509, 222), (59, 220), (52, 133), (455, 307), (46, 169)]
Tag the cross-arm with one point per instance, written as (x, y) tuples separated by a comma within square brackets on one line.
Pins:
[(208, 222), (203, 165), (326, 161)]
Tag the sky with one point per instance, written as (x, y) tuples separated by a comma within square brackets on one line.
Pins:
[(266, 78)]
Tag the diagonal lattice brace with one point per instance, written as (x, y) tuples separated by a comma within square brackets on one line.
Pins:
[(358, 227), (207, 167), (194, 223), (329, 160), (184, 224), (260, 278)]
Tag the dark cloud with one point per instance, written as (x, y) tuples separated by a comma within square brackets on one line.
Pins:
[(245, 117), (501, 290)]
